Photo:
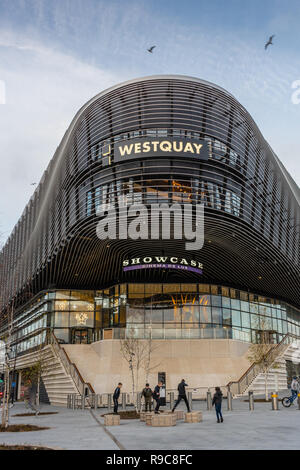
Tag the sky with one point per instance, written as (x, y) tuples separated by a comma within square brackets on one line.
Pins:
[(57, 54)]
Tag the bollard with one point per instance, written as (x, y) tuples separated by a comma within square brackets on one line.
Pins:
[(274, 397), (209, 400), (190, 400), (124, 401), (171, 400), (229, 401), (298, 401), (251, 401), (109, 407), (139, 401)]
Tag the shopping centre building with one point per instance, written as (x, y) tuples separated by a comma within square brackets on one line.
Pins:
[(149, 141)]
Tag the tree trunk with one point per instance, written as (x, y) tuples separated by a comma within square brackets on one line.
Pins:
[(266, 386)]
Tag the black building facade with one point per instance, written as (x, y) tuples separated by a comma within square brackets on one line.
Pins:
[(57, 273)]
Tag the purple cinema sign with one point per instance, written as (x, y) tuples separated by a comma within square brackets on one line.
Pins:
[(162, 266)]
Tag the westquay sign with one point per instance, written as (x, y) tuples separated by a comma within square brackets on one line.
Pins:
[(163, 262), (155, 147)]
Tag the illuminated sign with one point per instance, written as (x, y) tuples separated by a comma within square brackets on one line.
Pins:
[(81, 318), (163, 262), (153, 147)]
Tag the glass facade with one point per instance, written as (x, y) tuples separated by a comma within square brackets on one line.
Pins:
[(162, 311)]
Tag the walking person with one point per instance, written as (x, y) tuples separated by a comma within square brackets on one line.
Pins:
[(116, 397), (147, 394), (182, 395), (156, 396), (217, 401)]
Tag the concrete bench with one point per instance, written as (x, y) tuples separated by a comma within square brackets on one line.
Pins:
[(111, 420), (193, 417), (143, 415), (178, 413), (162, 420)]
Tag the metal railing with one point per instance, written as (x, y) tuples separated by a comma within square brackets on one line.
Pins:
[(240, 386), (84, 389), (105, 400)]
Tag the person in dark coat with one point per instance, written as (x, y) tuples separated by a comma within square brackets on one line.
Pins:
[(217, 401), (182, 395), (116, 397), (147, 394), (156, 396)]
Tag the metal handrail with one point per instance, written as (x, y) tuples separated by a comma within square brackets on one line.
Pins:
[(252, 372)]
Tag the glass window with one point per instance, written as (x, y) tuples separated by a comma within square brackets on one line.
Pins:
[(216, 315), (216, 300), (169, 315), (226, 316), (204, 300), (245, 320), (226, 302), (236, 318), (190, 314), (62, 334), (77, 305), (244, 306), (255, 323), (61, 319), (136, 288), (157, 315), (235, 304), (153, 288), (204, 288), (61, 305), (89, 203), (61, 294), (171, 287), (205, 315), (82, 319)]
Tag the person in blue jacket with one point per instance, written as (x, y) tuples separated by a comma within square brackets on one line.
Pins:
[(116, 397)]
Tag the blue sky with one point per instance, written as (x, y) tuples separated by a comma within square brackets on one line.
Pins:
[(56, 54)]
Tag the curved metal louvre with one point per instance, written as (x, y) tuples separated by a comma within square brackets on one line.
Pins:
[(54, 244)]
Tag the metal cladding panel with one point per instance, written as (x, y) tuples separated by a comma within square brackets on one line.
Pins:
[(252, 214)]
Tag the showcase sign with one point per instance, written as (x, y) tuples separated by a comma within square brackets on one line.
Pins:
[(163, 262), (157, 147)]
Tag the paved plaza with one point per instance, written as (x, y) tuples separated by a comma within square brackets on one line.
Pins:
[(242, 429)]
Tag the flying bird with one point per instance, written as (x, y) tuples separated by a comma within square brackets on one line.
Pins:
[(32, 184), (270, 41), (151, 49)]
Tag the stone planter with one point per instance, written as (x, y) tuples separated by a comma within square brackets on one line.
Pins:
[(193, 417), (166, 419), (111, 420)]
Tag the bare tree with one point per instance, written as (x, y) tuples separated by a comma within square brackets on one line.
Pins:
[(263, 354), (7, 367), (147, 363), (35, 373), (138, 355)]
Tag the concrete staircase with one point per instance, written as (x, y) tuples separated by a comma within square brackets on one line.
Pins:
[(57, 381), (277, 377)]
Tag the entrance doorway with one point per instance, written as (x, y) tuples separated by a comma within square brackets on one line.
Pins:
[(80, 335)]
